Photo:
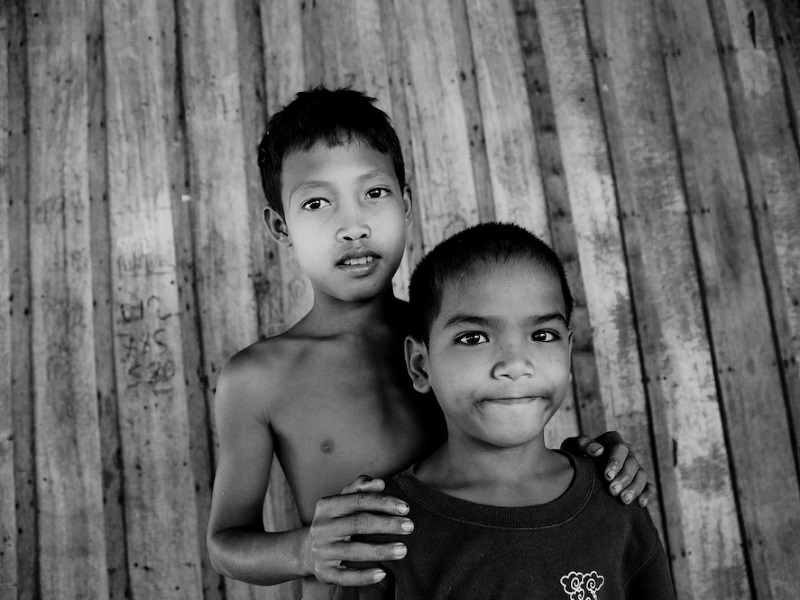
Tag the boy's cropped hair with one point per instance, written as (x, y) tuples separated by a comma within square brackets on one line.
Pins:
[(337, 117), (479, 245)]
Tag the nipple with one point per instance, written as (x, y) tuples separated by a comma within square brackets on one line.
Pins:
[(326, 446)]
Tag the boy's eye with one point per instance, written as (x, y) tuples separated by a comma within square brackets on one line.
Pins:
[(544, 336), (473, 338), (314, 204), (378, 192)]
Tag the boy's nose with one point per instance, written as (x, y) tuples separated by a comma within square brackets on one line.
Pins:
[(354, 228), (513, 364)]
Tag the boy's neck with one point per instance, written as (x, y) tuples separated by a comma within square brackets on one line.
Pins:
[(519, 476), (331, 316)]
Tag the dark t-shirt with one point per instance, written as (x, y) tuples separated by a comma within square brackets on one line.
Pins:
[(584, 545)]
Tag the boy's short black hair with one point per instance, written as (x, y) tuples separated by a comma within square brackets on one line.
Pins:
[(338, 117), (478, 245)]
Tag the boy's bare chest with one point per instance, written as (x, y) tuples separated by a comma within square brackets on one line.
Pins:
[(350, 417)]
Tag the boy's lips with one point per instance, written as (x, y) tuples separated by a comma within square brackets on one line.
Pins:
[(510, 399), (358, 261), (357, 257)]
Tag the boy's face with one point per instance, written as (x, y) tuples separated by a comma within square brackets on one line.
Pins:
[(345, 215), (498, 356)]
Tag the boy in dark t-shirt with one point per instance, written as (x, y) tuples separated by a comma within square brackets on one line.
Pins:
[(497, 514)]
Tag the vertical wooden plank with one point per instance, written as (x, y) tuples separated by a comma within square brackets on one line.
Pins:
[(264, 250), (444, 177), (195, 381), (113, 505), (594, 209), (8, 517), (20, 303), (285, 65), (148, 344), (69, 488), (763, 127), (738, 316), (467, 80), (785, 20), (511, 147), (397, 74), (583, 404), (694, 480)]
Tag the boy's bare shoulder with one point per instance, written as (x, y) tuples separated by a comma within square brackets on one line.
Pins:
[(263, 370)]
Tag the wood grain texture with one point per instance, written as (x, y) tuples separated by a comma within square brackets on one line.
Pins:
[(148, 342), (68, 483), (744, 351), (286, 68), (468, 84), (785, 21), (20, 304), (696, 487), (113, 505), (8, 517), (516, 182), (440, 143), (771, 162)]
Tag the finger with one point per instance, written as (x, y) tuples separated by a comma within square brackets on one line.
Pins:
[(368, 524), (588, 446), (630, 493), (364, 483), (648, 494), (618, 460), (346, 504), (351, 577), (609, 439), (359, 552)]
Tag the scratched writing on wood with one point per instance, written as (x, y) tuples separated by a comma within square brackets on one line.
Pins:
[(143, 344), (138, 257)]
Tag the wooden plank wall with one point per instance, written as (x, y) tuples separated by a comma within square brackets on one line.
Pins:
[(654, 144)]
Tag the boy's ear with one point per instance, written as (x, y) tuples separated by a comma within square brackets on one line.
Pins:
[(277, 226), (416, 364), (407, 203)]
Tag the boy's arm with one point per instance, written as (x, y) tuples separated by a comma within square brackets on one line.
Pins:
[(239, 547), (627, 479)]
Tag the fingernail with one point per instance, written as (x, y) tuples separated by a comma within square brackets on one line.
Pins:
[(642, 501), (399, 550), (407, 525), (379, 576), (615, 488), (402, 507), (596, 448), (627, 497), (610, 474)]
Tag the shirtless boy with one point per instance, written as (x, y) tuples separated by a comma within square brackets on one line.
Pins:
[(330, 397)]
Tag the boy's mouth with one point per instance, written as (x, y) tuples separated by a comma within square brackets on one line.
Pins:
[(510, 400), (362, 260), (357, 257)]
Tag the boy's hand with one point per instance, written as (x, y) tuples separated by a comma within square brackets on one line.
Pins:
[(359, 509), (626, 476)]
